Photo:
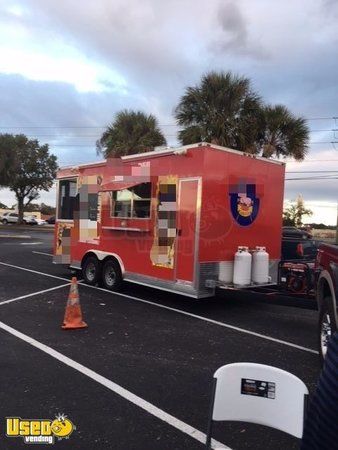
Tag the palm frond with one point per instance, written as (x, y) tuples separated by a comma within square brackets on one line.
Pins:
[(130, 132)]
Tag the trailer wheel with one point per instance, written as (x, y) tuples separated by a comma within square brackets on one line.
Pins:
[(326, 327), (91, 270), (111, 275)]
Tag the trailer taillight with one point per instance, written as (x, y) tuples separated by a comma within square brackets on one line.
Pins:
[(300, 250)]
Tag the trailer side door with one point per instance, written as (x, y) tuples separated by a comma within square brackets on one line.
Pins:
[(187, 228)]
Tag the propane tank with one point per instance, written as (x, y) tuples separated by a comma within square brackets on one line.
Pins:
[(226, 272), (260, 266), (242, 267)]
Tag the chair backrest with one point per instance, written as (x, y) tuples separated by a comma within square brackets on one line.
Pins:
[(261, 394)]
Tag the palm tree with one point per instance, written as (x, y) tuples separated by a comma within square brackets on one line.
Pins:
[(222, 109), (283, 134), (130, 132)]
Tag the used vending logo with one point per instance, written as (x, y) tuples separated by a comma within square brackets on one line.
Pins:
[(244, 204), (39, 431)]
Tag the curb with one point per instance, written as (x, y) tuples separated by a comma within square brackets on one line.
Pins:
[(27, 228)]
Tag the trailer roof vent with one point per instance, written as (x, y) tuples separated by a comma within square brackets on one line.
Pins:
[(180, 151)]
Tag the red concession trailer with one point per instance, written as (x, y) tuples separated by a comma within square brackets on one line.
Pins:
[(170, 219)]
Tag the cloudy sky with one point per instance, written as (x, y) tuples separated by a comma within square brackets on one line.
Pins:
[(67, 66)]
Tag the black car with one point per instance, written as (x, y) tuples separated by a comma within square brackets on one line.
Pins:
[(51, 220), (304, 249), (293, 232)]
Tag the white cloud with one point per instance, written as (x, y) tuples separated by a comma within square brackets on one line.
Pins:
[(8, 197), (85, 75), (323, 212), (16, 10), (30, 49)]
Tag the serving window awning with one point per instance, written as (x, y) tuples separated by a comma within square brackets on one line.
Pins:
[(117, 185)]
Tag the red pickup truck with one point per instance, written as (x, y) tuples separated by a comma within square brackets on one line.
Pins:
[(327, 294)]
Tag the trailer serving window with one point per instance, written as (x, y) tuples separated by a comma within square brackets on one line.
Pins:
[(68, 199), (133, 202)]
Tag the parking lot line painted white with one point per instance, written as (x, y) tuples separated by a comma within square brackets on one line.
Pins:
[(185, 313), (15, 236), (42, 253), (31, 243), (206, 319), (34, 271), (116, 388), (5, 302)]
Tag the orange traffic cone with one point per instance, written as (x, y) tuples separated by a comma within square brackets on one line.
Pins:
[(73, 314)]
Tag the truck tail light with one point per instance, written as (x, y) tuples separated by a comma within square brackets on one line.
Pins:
[(300, 250)]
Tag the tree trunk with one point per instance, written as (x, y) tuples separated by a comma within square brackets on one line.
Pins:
[(20, 208)]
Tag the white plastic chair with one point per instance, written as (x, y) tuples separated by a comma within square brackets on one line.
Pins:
[(257, 393)]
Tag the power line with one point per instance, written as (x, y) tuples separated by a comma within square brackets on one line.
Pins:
[(312, 160), (98, 135), (315, 131), (52, 126), (322, 118), (167, 135), (70, 127), (105, 126), (313, 171), (323, 142), (312, 178), (65, 135)]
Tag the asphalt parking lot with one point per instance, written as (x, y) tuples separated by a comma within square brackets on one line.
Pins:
[(139, 377)]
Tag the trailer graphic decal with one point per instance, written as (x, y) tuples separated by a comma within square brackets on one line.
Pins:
[(62, 248), (89, 206), (162, 251), (244, 204)]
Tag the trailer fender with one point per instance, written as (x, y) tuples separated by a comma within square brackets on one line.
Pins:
[(103, 255), (325, 288)]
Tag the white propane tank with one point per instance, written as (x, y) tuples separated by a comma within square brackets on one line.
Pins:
[(242, 267), (260, 266), (226, 272)]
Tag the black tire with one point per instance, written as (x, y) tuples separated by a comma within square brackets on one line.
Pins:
[(5, 221), (326, 326), (91, 270), (111, 275)]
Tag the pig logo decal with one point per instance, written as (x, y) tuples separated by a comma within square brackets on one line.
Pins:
[(244, 204)]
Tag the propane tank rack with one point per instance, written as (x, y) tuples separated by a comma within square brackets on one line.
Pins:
[(232, 286)]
